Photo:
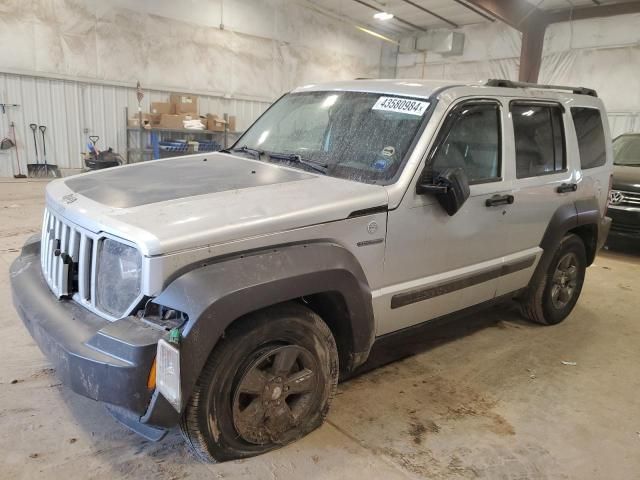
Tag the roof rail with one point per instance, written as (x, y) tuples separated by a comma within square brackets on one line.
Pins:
[(495, 82)]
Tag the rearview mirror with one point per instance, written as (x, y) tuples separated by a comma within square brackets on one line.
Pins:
[(451, 188)]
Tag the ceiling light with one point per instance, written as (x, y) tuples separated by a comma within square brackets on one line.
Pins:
[(376, 34), (383, 16)]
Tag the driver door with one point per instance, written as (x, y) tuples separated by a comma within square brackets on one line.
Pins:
[(436, 264)]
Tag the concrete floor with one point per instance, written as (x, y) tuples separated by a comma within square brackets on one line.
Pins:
[(486, 397)]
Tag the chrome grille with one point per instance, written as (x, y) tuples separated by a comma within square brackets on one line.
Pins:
[(67, 255), (626, 199)]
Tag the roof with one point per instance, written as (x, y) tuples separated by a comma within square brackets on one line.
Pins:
[(410, 87), (425, 88)]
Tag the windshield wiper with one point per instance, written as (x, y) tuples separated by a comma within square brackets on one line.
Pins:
[(295, 158), (253, 151)]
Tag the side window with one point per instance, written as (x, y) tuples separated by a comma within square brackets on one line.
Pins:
[(590, 134), (470, 139), (539, 138)]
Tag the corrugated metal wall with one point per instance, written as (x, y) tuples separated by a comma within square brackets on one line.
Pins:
[(72, 111), (623, 122)]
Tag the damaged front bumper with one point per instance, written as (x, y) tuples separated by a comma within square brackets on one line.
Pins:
[(106, 361)]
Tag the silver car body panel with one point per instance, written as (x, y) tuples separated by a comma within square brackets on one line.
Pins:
[(413, 249)]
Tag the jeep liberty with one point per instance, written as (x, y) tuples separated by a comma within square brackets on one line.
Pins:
[(227, 292)]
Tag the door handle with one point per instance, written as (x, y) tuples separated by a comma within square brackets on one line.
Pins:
[(567, 187), (499, 200)]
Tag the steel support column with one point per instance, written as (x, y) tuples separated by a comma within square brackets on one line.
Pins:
[(533, 22), (531, 53)]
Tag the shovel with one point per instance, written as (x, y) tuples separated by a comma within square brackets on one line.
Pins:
[(15, 141), (49, 170), (35, 170)]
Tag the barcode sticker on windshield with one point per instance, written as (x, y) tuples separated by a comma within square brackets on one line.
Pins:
[(401, 105)]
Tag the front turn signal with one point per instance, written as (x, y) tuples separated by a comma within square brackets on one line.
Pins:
[(151, 381)]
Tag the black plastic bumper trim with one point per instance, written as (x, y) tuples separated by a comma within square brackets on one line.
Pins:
[(421, 294), (105, 361)]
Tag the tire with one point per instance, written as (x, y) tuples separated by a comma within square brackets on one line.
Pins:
[(545, 302), (241, 406)]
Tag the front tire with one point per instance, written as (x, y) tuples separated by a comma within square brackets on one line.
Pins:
[(552, 296), (268, 382)]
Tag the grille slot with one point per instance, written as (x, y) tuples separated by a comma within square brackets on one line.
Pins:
[(68, 256), (67, 259), (629, 199), (625, 227)]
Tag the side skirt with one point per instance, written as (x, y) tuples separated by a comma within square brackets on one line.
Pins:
[(439, 321), (394, 346)]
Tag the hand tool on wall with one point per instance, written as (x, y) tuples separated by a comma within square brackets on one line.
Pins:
[(7, 144), (49, 170), (34, 169), (92, 147), (5, 105), (15, 141), (11, 141)]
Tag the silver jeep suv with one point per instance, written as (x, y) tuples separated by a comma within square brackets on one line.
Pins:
[(228, 292)]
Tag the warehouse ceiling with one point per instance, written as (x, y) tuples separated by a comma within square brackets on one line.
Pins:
[(409, 15), (417, 15), (564, 4)]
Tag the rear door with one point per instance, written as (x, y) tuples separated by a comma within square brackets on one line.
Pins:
[(544, 177)]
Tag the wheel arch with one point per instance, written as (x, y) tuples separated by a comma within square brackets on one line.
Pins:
[(589, 235), (325, 276), (582, 218)]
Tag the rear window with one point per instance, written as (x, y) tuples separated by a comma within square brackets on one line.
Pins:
[(590, 134), (539, 136)]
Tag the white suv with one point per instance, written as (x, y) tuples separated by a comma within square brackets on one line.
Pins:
[(226, 292)]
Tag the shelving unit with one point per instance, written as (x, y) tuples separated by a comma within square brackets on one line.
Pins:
[(145, 143)]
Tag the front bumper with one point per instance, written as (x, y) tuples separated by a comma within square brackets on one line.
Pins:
[(106, 361), (626, 222)]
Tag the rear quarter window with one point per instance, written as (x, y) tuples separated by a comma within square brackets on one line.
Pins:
[(590, 135)]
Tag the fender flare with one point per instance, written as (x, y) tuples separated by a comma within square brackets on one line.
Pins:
[(567, 217), (215, 294)]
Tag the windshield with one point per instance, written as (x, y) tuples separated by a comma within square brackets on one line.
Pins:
[(626, 150), (353, 135)]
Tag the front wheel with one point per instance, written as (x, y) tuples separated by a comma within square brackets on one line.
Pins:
[(551, 298), (267, 383)]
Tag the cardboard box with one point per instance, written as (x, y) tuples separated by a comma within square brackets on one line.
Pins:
[(134, 121), (175, 121), (168, 120), (184, 104), (161, 107), (231, 120), (183, 98), (154, 119), (215, 123), (189, 108)]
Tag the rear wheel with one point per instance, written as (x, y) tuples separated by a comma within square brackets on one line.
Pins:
[(267, 383), (551, 297)]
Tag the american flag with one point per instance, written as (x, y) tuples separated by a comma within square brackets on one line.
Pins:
[(139, 93)]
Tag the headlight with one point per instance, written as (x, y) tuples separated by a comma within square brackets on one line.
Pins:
[(118, 277)]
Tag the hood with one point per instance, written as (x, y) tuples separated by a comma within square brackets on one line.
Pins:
[(626, 178), (166, 206)]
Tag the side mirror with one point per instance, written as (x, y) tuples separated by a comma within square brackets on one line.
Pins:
[(451, 188)]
